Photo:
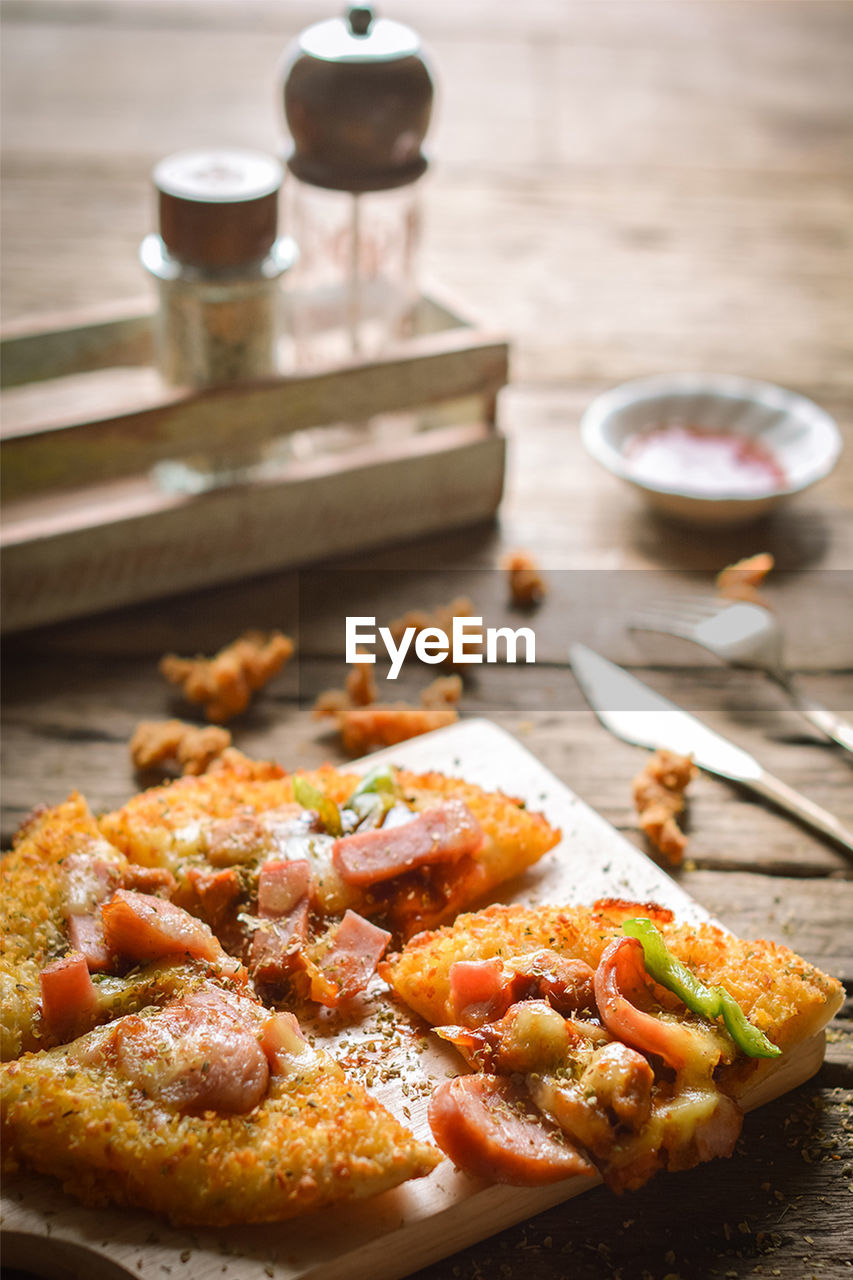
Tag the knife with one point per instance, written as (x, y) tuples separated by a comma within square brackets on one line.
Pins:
[(637, 714)]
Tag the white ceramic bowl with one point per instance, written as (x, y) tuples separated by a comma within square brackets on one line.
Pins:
[(803, 438)]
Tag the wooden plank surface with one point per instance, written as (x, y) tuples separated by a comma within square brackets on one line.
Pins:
[(626, 187)]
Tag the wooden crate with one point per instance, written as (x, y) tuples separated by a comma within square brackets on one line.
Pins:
[(354, 456)]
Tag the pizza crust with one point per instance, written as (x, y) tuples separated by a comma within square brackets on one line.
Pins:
[(315, 1139)]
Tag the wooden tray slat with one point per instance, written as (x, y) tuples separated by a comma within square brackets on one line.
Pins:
[(67, 452), (132, 542)]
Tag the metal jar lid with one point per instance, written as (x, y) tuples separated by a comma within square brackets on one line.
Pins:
[(218, 208), (357, 100)]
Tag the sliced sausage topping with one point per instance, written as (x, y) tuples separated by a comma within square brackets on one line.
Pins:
[(620, 984), (198, 1053), (490, 1128)]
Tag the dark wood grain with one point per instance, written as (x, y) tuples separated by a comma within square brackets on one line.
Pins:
[(626, 188)]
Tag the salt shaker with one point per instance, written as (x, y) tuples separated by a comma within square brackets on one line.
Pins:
[(218, 262), (357, 101)]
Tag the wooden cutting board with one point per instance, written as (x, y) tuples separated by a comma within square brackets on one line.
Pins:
[(47, 1232)]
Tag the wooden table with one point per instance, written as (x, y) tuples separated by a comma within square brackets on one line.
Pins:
[(627, 188)]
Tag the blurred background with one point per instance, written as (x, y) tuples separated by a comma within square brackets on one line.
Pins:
[(608, 155), (624, 188)]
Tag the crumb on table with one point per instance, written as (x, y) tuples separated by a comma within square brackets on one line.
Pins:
[(440, 619), (365, 729), (365, 724), (526, 584), (740, 581), (223, 685), (361, 685), (164, 744), (658, 791), (445, 691)]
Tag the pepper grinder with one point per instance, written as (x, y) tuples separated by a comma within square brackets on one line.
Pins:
[(357, 101)]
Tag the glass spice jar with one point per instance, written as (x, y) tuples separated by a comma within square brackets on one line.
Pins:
[(218, 262)]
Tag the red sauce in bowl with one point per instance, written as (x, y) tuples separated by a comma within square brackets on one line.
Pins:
[(707, 463)]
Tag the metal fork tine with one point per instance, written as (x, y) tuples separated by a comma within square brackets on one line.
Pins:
[(662, 626), (692, 606), (676, 612)]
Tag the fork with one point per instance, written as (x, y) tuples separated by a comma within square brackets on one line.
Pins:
[(744, 635)]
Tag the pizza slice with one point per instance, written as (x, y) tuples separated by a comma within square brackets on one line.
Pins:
[(146, 1071), (209, 1109), (306, 877), (610, 1039)]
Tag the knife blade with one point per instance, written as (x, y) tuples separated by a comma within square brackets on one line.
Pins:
[(634, 712)]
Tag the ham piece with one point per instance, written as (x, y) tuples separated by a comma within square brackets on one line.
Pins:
[(277, 943), (443, 834), (141, 928), (88, 881), (282, 884), (69, 1000), (282, 929), (356, 949)]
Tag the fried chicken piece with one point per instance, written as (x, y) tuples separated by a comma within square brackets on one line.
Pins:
[(526, 584), (225, 683), (443, 692), (360, 684), (174, 743), (360, 691), (366, 725), (366, 729), (441, 619), (417, 618), (331, 702), (740, 581), (658, 791)]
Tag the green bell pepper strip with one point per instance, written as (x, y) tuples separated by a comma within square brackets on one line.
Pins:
[(382, 779), (311, 798), (708, 1002)]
